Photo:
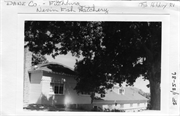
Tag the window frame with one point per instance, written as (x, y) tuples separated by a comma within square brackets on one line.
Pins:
[(121, 91), (60, 89), (54, 84)]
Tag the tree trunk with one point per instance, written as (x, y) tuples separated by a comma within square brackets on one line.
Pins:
[(155, 91), (92, 97)]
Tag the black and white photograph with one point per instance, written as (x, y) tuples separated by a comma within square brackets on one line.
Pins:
[(92, 66), (91, 57)]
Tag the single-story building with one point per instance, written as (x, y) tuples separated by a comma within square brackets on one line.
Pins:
[(122, 98), (53, 84)]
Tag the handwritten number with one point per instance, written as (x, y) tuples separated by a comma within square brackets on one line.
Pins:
[(173, 84), (174, 73), (174, 77), (174, 101)]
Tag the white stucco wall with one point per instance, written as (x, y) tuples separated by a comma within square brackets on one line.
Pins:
[(35, 87), (41, 92), (127, 106), (69, 97), (133, 106), (45, 85)]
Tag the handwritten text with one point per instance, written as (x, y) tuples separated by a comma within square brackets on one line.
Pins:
[(58, 6), (174, 89), (161, 5)]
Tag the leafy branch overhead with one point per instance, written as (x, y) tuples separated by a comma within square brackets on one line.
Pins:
[(38, 59), (60, 37)]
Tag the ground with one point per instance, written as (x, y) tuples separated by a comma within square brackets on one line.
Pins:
[(36, 107)]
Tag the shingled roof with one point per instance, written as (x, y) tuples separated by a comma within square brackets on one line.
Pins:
[(130, 96), (53, 67)]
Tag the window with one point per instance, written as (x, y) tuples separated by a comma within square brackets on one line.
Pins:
[(59, 88), (121, 91)]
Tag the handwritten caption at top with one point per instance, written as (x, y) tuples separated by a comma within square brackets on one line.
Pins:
[(58, 6), (161, 5), (35, 3)]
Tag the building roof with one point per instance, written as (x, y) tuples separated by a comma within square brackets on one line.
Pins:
[(53, 67), (130, 96)]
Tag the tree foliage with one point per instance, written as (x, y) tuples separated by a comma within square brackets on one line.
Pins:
[(126, 51), (38, 59), (54, 38)]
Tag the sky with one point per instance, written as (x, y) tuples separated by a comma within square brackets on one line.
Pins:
[(69, 61)]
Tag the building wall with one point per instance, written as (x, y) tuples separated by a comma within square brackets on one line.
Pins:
[(70, 96), (35, 87), (27, 66), (126, 107), (40, 93)]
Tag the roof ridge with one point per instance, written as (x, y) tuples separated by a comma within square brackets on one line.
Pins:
[(40, 65), (62, 65), (54, 67)]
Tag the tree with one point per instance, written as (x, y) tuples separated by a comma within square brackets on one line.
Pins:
[(113, 52), (38, 59), (128, 50), (146, 95)]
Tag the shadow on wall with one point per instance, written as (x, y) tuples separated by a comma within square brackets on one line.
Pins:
[(41, 107), (45, 104), (52, 104), (56, 103), (51, 100), (45, 100)]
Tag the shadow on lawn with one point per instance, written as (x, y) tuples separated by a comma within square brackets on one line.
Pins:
[(41, 107)]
